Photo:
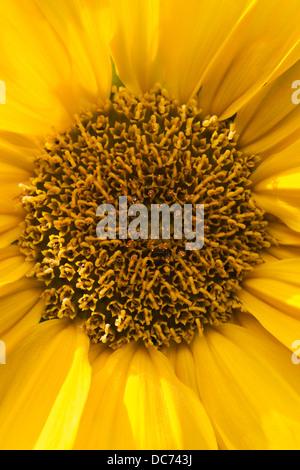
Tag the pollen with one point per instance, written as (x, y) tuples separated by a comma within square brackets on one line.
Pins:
[(153, 151)]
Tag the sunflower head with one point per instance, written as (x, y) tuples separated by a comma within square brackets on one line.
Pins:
[(152, 150)]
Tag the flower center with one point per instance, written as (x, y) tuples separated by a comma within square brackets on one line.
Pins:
[(153, 151)]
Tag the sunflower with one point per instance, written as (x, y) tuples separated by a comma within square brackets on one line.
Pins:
[(141, 344)]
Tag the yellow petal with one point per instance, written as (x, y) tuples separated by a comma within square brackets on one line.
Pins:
[(281, 325), (12, 265), (10, 236), (284, 252), (99, 353), (10, 190), (291, 58), (182, 360), (136, 402), (10, 172), (85, 28), (267, 257), (256, 47), (10, 219), (249, 398), (134, 44), (191, 34), (271, 294), (43, 388), (22, 325), (278, 174), (287, 270), (59, 430), (7, 222), (18, 151), (16, 299), (270, 122), (277, 356), (12, 269), (285, 208), (36, 69), (279, 294), (283, 234), (282, 161), (10, 178)]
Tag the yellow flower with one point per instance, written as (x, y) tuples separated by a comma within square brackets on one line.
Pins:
[(136, 346)]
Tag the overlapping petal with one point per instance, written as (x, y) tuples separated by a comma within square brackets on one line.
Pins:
[(271, 293), (12, 265), (41, 404), (250, 398), (18, 150), (134, 43), (276, 185), (250, 56), (85, 27), (143, 405), (284, 235), (187, 48), (182, 359), (36, 69), (269, 123), (11, 217), (20, 303)]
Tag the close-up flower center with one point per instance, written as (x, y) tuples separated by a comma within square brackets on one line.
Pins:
[(151, 150)]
